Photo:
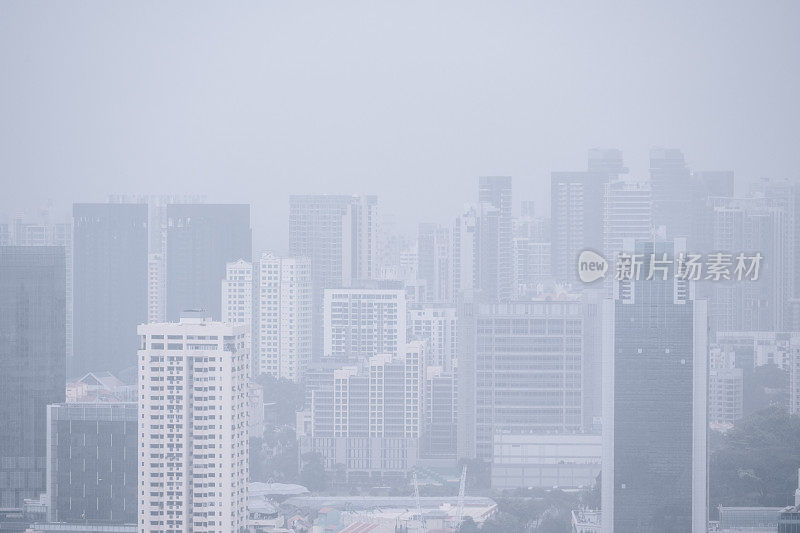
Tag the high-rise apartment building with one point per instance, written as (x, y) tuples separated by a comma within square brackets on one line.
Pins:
[(32, 364), (110, 284), (201, 240), (338, 236), (437, 326), (282, 326), (494, 250), (750, 226), (237, 299), (369, 417), (576, 219), (193, 449), (362, 322), (655, 421), (725, 389), (463, 262), (156, 288), (434, 254), (92, 463), (577, 210)]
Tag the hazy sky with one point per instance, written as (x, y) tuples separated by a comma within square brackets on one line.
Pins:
[(253, 101)]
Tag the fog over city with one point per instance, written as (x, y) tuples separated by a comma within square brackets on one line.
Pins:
[(410, 100), (399, 267)]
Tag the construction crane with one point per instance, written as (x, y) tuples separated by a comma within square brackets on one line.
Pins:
[(462, 486), (419, 505)]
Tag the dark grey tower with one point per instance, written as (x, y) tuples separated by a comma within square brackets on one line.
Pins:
[(201, 238), (110, 285), (655, 403), (494, 250), (673, 192), (92, 462), (32, 363)]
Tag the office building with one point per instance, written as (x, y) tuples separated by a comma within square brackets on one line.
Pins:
[(520, 370), (32, 364), (545, 461), (655, 472), (627, 214), (91, 462), (49, 234), (282, 316), (672, 192), (193, 449), (494, 252), (794, 377), (363, 322), (201, 240), (110, 284)]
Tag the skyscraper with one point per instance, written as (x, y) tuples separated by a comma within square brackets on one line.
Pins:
[(752, 225), (193, 448), (434, 257), (338, 235), (282, 316), (201, 240), (110, 284), (32, 364), (494, 250), (237, 299), (463, 265), (576, 219), (673, 192), (655, 382)]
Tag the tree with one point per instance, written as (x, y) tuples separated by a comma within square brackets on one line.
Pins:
[(313, 475), (756, 463), (287, 396), (765, 386), (468, 525)]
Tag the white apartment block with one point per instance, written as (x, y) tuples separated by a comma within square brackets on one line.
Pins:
[(193, 449), (237, 298), (361, 323), (283, 326), (369, 416), (156, 289), (436, 326)]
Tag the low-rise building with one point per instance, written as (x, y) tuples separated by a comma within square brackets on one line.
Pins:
[(535, 460)]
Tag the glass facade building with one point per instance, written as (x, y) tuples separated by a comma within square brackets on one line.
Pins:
[(32, 363), (110, 285), (655, 405), (91, 462)]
